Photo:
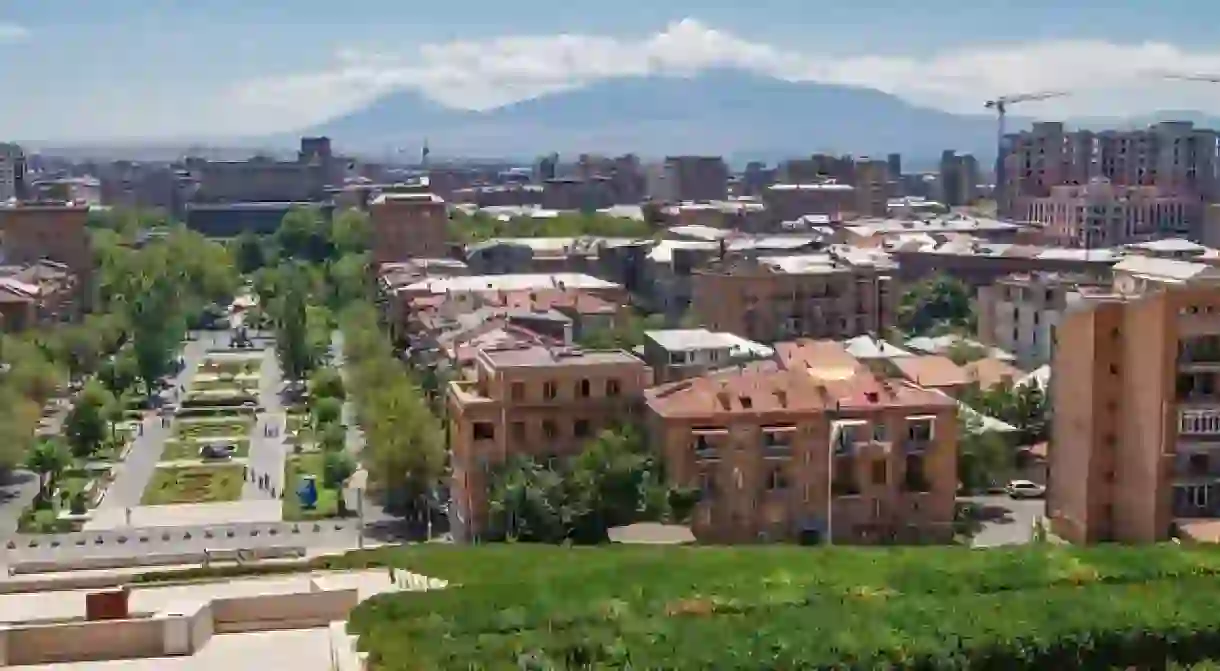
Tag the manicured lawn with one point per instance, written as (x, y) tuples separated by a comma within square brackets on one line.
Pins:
[(194, 484), (298, 432), (231, 386), (328, 499), (224, 426), (1038, 607), (176, 450), (232, 366)]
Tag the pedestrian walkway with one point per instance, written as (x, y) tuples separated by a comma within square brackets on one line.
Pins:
[(133, 474), (268, 450)]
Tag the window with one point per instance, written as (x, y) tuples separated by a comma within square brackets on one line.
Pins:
[(582, 389), (518, 431), (919, 430), (518, 391), (879, 432), (880, 472), (915, 480), (613, 388), (580, 428), (549, 429), (777, 481), (484, 431), (550, 390)]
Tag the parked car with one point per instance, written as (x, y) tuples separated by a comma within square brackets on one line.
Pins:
[(1025, 489)]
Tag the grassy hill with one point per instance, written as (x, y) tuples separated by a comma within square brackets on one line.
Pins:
[(1040, 607)]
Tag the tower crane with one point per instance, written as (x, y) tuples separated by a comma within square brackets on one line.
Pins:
[(1000, 105)]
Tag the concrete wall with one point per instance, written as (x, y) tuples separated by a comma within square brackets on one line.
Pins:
[(282, 611), (343, 653), (84, 641), (154, 559)]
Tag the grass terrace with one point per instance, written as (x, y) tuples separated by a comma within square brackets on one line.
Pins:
[(213, 427), (1037, 607), (300, 465), (179, 450), (194, 484)]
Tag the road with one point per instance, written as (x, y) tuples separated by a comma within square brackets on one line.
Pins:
[(1005, 521), (132, 476), (267, 449)]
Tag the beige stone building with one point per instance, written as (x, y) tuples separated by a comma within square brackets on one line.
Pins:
[(1136, 388), (832, 295), (819, 447), (544, 402)]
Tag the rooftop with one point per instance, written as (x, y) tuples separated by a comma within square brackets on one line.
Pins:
[(399, 197), (1166, 270), (531, 356), (931, 370), (685, 340), (511, 282)]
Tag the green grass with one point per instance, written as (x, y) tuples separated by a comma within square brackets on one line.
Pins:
[(787, 607), (328, 499), (176, 450), (297, 423), (223, 385), (225, 426), (194, 484)]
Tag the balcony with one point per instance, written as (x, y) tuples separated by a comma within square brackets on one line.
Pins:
[(1200, 422)]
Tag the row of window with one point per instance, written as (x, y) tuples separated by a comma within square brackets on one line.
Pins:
[(581, 428), (844, 483), (580, 389)]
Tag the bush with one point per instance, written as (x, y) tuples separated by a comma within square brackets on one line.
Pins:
[(788, 608)]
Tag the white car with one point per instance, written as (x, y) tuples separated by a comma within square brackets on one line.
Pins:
[(1025, 489)]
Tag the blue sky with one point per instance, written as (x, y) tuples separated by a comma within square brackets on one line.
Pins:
[(106, 69)]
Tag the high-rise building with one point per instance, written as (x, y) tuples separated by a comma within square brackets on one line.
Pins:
[(12, 172), (894, 162), (1174, 156), (872, 187), (959, 178), (696, 178), (1101, 214), (1136, 393)]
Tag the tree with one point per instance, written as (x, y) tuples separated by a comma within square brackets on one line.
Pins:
[(87, 424), (1025, 406), (350, 280), (18, 421), (48, 459), (249, 252), (337, 467), (292, 336), (939, 301), (628, 332), (327, 410), (352, 232), (30, 370), (327, 383), (119, 373), (984, 457), (304, 235)]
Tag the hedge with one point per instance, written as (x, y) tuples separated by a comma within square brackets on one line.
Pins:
[(792, 608)]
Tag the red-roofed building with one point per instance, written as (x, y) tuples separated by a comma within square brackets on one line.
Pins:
[(770, 450)]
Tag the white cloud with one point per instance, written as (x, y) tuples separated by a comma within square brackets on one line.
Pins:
[(11, 32), (1105, 78)]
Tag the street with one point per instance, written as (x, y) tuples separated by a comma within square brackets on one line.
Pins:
[(1004, 521)]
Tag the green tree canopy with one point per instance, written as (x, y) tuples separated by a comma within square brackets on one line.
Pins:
[(87, 425), (938, 302)]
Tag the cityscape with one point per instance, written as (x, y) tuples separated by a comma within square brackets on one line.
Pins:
[(381, 402)]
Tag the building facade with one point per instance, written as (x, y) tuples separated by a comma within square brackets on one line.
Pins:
[(695, 178), (778, 298), (1102, 214), (537, 401), (1137, 406), (1020, 312), (12, 172), (959, 178), (1174, 156), (784, 455), (408, 225)]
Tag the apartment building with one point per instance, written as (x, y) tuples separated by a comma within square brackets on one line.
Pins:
[(1174, 156), (788, 202), (544, 402), (958, 178), (872, 187), (41, 294), (408, 225), (823, 449), (677, 354), (694, 178), (817, 168), (837, 294), (33, 232), (1020, 312), (12, 172), (1137, 406), (1102, 214)]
